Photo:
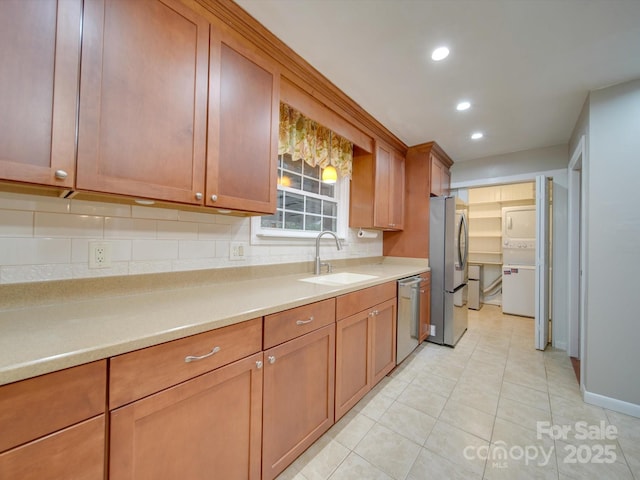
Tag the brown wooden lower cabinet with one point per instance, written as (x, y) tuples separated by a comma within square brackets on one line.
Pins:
[(298, 397), (353, 347), (425, 306), (76, 453), (53, 426), (383, 343), (248, 419), (365, 353), (207, 427)]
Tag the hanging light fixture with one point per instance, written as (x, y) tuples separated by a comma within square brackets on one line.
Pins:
[(284, 181), (329, 173)]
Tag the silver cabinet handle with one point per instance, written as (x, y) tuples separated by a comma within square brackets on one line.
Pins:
[(422, 291), (214, 198), (259, 364), (271, 359), (304, 322), (198, 196), (191, 358), (61, 174)]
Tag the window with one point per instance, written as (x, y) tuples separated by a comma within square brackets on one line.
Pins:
[(305, 205)]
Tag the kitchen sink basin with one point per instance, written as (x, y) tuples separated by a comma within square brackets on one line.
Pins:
[(342, 278)]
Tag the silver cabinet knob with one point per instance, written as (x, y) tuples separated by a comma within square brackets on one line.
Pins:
[(271, 359), (259, 364), (61, 174), (214, 198), (198, 196)]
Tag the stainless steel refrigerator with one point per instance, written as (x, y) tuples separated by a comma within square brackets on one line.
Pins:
[(448, 252)]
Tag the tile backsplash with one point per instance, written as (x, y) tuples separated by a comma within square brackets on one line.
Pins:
[(44, 238)]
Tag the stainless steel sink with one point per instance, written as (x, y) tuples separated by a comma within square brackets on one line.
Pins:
[(337, 279)]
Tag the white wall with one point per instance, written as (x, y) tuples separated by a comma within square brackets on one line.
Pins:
[(513, 164), (524, 166), (613, 255), (45, 238)]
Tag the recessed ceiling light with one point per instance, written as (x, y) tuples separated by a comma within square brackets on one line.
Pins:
[(440, 53), (477, 135), (463, 106)]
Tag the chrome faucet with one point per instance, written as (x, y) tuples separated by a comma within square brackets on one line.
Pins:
[(319, 264)]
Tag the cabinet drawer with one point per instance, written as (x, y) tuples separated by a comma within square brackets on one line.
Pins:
[(38, 406), (73, 453), (143, 372), (283, 326), (355, 302)]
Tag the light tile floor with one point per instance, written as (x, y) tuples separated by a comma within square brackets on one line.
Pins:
[(471, 413)]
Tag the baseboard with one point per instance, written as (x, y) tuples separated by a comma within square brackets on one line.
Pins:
[(611, 403), (560, 345)]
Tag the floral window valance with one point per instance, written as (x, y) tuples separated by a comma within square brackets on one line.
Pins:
[(305, 139)]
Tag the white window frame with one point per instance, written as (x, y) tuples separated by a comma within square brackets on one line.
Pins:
[(268, 236)]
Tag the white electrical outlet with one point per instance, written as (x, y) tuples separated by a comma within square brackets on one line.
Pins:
[(237, 250), (433, 330), (99, 255)]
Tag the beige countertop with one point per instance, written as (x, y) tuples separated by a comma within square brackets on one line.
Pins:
[(40, 339)]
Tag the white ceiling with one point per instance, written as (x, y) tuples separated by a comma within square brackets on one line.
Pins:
[(525, 65)]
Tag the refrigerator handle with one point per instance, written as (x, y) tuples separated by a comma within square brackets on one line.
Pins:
[(462, 256)]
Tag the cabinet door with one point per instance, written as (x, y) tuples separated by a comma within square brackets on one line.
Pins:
[(383, 341), (436, 176), (143, 100), (353, 346), (446, 181), (382, 193), (425, 306), (207, 427), (396, 192), (389, 189), (40, 51), (298, 397), (244, 92), (76, 453)]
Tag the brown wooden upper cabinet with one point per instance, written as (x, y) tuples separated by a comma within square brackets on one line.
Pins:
[(440, 174), (40, 51), (377, 189), (427, 172), (244, 100), (143, 100)]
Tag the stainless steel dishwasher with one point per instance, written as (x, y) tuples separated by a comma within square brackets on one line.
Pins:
[(408, 317)]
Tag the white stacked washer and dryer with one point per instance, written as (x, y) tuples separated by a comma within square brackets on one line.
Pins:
[(518, 260)]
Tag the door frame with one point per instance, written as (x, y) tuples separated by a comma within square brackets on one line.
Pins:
[(542, 292), (576, 334), (521, 178)]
